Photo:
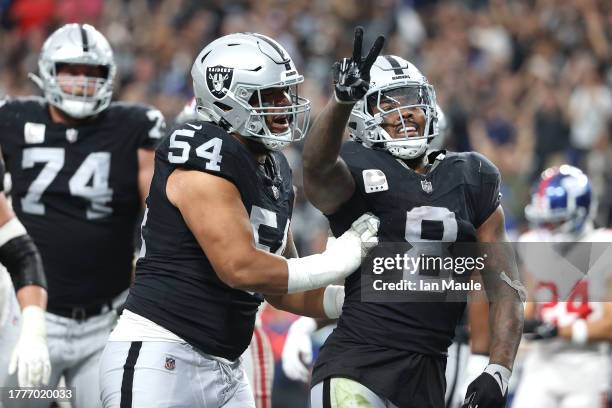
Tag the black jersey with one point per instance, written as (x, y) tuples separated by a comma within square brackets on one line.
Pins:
[(176, 285), (76, 192), (460, 191)]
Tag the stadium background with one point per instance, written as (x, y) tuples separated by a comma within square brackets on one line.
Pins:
[(525, 82)]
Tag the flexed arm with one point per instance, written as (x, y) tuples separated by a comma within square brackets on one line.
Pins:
[(246, 267), (327, 180)]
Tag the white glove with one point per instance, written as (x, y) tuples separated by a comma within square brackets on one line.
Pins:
[(341, 257), (30, 354), (297, 352)]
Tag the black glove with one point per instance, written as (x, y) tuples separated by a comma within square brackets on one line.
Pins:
[(352, 75), (486, 392), (538, 330)]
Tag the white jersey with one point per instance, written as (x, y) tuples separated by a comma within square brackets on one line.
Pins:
[(563, 292), (557, 372)]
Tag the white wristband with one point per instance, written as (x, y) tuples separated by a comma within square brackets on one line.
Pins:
[(333, 299), (580, 332), (501, 375)]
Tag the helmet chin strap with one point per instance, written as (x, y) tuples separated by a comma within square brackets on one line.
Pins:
[(404, 149), (272, 141), (72, 109), (77, 109), (278, 141), (275, 145)]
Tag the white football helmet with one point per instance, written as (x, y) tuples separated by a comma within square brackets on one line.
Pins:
[(76, 44), (231, 69), (443, 127), (399, 85)]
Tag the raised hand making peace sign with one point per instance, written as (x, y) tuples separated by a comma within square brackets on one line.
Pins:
[(352, 75)]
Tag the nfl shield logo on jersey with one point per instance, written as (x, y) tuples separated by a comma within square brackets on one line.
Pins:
[(170, 363), (71, 135), (218, 80), (426, 186), (275, 192)]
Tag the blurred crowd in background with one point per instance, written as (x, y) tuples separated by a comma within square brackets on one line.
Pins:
[(525, 82)]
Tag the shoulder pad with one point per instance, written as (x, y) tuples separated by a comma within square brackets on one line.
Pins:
[(475, 167), (355, 155), (25, 102), (206, 147), (147, 121)]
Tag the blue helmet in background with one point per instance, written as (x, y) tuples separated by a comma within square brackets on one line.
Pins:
[(563, 199)]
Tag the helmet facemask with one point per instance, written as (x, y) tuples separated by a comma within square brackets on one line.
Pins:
[(398, 104), (292, 111), (62, 90)]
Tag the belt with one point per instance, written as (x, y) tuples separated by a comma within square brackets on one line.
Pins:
[(82, 313)]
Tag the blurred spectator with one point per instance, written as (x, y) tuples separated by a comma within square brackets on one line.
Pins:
[(590, 110), (526, 82), (551, 132)]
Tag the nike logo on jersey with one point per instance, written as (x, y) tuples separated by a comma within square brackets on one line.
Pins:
[(374, 181), (34, 132), (194, 126)]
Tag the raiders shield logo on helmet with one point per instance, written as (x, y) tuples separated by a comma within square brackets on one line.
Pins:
[(218, 80)]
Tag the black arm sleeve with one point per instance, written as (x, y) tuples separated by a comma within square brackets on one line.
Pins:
[(23, 262)]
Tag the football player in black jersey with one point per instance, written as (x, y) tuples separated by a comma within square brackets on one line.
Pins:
[(395, 353), (25, 350), (81, 167), (216, 236), (258, 358)]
